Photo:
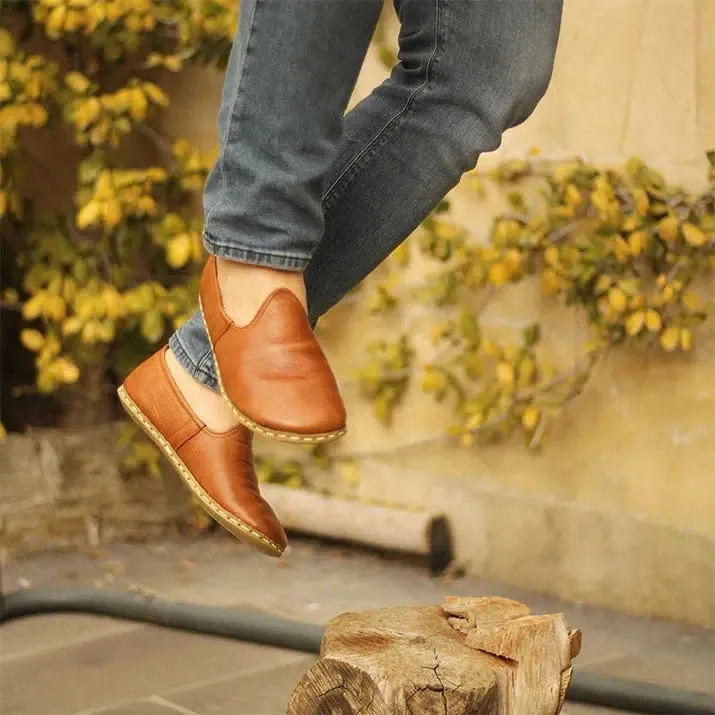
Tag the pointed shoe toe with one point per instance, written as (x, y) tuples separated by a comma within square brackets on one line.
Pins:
[(217, 467)]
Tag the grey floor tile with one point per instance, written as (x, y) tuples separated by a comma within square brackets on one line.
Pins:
[(29, 636), (141, 707), (686, 662), (264, 693), (579, 709), (608, 635), (313, 583), (123, 667)]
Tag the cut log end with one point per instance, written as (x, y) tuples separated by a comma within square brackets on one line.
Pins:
[(471, 656)]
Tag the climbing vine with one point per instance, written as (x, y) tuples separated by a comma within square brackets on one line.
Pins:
[(626, 250), (109, 266)]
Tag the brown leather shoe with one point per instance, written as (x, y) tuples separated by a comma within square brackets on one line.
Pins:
[(273, 371), (218, 468)]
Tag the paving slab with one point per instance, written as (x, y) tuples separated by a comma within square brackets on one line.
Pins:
[(144, 707), (118, 668), (264, 693), (578, 709), (94, 665), (40, 634), (686, 662)]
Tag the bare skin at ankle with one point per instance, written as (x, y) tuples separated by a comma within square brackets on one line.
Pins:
[(209, 406), (244, 288)]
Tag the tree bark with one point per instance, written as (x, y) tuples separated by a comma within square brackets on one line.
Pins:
[(471, 656)]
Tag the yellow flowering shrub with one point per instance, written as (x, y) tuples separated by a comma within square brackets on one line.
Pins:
[(630, 253), (106, 279)]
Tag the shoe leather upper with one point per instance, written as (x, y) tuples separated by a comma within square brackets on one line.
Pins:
[(221, 463), (273, 369)]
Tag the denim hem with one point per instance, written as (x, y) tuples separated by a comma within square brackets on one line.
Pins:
[(195, 370), (256, 258)]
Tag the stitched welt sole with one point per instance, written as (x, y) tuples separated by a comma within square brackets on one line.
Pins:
[(233, 525), (260, 429)]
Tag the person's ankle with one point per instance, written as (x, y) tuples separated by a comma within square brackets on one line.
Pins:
[(209, 406), (245, 287)]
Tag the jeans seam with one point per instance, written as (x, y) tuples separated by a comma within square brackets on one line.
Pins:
[(196, 368), (206, 358), (224, 143), (340, 184)]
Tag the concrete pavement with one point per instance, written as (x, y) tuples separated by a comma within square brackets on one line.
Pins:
[(83, 665)]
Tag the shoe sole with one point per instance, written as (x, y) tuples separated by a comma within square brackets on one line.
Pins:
[(246, 421), (228, 521)]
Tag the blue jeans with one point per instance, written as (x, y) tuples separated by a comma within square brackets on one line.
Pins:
[(300, 185)]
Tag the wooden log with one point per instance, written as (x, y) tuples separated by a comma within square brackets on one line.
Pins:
[(470, 656), (414, 532)]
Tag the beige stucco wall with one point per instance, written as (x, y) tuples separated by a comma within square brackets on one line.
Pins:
[(619, 509)]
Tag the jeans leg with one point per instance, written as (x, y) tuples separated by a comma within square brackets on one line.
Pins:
[(468, 70), (293, 66), (291, 72)]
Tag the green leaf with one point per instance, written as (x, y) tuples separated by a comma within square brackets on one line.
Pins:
[(532, 334), (516, 200), (442, 207), (382, 409), (469, 327)]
